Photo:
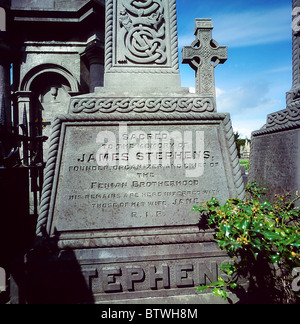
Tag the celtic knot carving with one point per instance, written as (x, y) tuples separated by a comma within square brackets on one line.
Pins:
[(142, 29), (282, 117), (142, 105)]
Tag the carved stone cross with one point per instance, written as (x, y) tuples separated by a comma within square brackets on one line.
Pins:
[(203, 56)]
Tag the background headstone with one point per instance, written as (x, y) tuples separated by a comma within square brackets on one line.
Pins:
[(275, 149)]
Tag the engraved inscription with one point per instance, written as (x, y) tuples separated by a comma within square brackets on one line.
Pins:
[(156, 276), (153, 276), (131, 188)]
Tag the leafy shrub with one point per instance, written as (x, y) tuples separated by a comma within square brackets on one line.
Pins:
[(262, 240)]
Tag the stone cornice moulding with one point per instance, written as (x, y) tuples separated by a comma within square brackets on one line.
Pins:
[(141, 105)]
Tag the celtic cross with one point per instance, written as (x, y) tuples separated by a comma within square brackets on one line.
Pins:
[(203, 56)]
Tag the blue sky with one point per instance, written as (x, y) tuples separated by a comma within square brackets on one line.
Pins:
[(258, 73)]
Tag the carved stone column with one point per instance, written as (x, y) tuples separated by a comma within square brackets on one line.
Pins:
[(94, 54), (5, 55), (24, 103)]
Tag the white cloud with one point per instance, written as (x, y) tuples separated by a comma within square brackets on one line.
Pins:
[(248, 28), (246, 127), (248, 95), (287, 68), (248, 106), (219, 92)]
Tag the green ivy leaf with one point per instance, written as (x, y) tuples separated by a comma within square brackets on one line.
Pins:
[(245, 224), (233, 285), (271, 236), (202, 288), (220, 293), (255, 254), (275, 258), (228, 268), (297, 243)]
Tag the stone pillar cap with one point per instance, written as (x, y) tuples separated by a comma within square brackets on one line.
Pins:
[(203, 23)]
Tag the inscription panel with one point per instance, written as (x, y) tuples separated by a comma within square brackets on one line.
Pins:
[(167, 270), (115, 277), (136, 176)]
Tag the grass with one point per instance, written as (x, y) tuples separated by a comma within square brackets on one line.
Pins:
[(245, 163)]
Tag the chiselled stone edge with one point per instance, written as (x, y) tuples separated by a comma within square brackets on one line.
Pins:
[(49, 173), (142, 105), (109, 43), (237, 174), (278, 128), (135, 240)]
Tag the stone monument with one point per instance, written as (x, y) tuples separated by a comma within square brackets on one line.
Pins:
[(275, 149), (127, 164), (203, 51)]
